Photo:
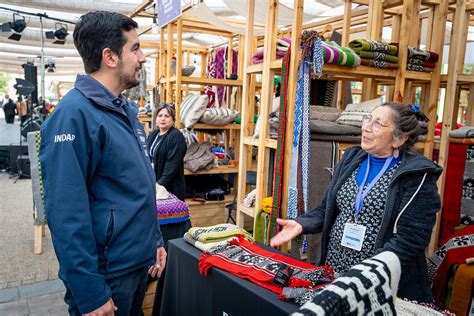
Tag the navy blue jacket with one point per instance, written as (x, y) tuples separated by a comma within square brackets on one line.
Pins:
[(99, 191), (408, 237)]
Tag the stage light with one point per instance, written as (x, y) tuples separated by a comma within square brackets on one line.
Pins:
[(59, 34), (16, 27)]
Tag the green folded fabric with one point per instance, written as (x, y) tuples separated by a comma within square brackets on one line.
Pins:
[(374, 46), (261, 223), (218, 233), (378, 56)]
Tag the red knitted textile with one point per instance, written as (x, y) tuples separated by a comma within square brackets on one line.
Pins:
[(249, 261)]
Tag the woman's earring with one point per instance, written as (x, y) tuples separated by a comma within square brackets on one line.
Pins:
[(396, 153)]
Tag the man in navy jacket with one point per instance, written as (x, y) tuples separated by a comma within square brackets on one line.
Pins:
[(99, 186)]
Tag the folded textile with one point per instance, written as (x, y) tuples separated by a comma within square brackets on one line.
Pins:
[(324, 113), (205, 246), (335, 54), (373, 46), (378, 64), (249, 261), (378, 56), (422, 54), (171, 210), (407, 308), (421, 62), (283, 44), (267, 204), (368, 288), (199, 156), (261, 226), (217, 232), (419, 68), (257, 58), (333, 128), (463, 132), (455, 251)]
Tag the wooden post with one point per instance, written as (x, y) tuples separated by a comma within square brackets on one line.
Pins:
[(179, 65), (169, 55), (291, 100), (454, 61), (346, 30), (245, 129)]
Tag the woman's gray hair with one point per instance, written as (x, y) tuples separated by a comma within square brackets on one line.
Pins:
[(406, 119), (169, 108)]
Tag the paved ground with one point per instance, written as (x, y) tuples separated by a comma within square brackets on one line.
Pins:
[(28, 282)]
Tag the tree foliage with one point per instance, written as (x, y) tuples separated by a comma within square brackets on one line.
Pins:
[(4, 78)]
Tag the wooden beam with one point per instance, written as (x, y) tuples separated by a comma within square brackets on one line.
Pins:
[(169, 71), (140, 8)]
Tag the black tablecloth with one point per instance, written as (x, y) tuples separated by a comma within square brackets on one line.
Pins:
[(186, 292)]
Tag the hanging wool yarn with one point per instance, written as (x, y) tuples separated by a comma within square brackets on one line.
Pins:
[(311, 55)]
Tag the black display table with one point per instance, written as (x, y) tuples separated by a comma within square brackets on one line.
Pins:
[(186, 292)]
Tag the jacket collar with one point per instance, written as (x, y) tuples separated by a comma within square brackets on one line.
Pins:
[(99, 94), (410, 163)]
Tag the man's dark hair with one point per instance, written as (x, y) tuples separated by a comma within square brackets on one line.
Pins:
[(98, 30)]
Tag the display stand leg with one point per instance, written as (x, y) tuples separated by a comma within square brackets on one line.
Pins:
[(39, 233)]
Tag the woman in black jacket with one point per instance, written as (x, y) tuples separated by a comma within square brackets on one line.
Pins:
[(382, 197), (167, 148)]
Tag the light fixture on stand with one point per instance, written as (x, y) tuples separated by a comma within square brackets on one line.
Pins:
[(59, 34), (16, 27)]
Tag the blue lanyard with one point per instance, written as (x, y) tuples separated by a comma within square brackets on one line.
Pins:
[(363, 193)]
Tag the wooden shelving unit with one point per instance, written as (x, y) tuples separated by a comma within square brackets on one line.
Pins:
[(404, 16), (174, 87)]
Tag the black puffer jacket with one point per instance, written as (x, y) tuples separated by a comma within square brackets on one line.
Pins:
[(168, 161), (413, 229)]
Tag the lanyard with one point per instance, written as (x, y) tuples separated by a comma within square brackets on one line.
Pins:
[(363, 193)]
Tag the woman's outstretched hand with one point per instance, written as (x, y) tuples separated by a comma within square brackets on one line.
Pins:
[(290, 229)]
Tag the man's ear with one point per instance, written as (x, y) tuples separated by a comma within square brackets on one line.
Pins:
[(109, 58)]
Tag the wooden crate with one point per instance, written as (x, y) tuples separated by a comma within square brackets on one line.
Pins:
[(147, 305)]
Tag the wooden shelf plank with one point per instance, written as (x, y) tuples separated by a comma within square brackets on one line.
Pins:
[(271, 143), (255, 69), (227, 199), (220, 169), (204, 81), (250, 140), (418, 75), (250, 211), (208, 126), (335, 71)]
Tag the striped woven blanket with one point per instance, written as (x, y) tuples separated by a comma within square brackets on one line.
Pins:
[(335, 54), (378, 64), (171, 210), (373, 46)]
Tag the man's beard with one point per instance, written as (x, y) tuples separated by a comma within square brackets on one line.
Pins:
[(128, 81)]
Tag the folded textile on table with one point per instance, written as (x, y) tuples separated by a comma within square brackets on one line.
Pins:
[(463, 132), (378, 56), (218, 232), (378, 64), (336, 54), (422, 54), (205, 246), (171, 210), (368, 288), (249, 261), (373, 46)]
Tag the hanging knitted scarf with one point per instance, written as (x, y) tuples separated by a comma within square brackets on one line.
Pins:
[(312, 54), (247, 260), (278, 170)]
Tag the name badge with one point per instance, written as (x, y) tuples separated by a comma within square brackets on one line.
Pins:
[(353, 236)]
